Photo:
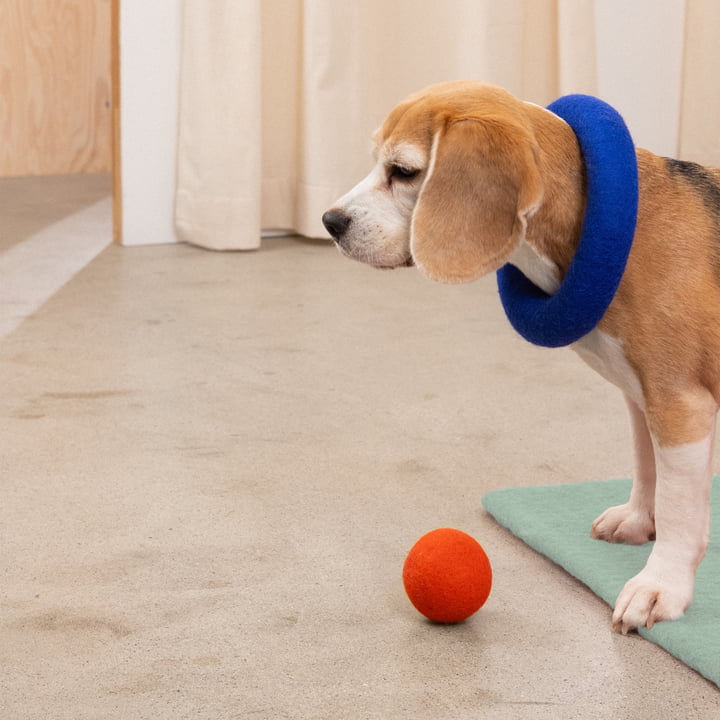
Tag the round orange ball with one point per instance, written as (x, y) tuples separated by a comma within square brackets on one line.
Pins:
[(447, 575)]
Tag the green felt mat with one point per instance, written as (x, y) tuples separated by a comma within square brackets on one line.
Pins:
[(556, 521)]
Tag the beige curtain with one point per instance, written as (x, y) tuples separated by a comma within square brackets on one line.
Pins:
[(279, 97), (700, 111)]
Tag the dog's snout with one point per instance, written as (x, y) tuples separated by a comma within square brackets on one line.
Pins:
[(336, 222)]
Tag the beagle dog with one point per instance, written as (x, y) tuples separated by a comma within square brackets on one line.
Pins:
[(468, 178)]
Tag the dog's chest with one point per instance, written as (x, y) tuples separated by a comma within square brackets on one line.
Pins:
[(605, 354)]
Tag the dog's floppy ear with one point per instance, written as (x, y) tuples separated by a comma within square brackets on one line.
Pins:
[(481, 186)]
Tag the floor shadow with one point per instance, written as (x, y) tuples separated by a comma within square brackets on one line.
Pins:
[(29, 204)]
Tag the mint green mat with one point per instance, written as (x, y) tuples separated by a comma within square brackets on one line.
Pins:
[(556, 522)]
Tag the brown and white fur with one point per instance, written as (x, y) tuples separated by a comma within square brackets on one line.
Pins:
[(468, 178)]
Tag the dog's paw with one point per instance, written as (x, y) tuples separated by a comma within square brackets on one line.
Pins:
[(645, 600), (624, 524)]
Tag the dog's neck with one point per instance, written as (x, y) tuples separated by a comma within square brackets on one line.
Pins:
[(553, 232), (593, 221), (540, 269)]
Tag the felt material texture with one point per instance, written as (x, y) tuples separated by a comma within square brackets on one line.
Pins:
[(447, 575), (556, 520), (608, 228)]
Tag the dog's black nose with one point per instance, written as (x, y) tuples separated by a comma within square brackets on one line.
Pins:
[(336, 222)]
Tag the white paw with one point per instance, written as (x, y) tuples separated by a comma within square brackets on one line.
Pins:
[(646, 600), (624, 524)]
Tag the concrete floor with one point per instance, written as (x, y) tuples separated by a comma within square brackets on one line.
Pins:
[(213, 466), (50, 227)]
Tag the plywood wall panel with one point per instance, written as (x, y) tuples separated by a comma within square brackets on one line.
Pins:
[(55, 90)]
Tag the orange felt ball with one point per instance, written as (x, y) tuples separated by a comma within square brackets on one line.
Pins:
[(447, 575)]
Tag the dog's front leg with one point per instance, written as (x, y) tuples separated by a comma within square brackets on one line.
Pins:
[(633, 522), (664, 588)]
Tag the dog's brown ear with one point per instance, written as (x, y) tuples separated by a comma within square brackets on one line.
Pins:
[(482, 185)]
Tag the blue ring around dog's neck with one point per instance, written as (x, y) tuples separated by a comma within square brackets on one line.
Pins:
[(608, 228)]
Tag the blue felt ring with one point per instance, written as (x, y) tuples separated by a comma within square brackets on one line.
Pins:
[(608, 228)]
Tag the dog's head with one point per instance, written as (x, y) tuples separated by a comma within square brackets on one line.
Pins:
[(454, 183)]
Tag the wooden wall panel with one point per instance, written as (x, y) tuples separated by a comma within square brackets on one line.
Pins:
[(116, 136), (55, 89)]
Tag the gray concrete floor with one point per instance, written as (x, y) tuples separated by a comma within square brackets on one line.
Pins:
[(213, 466)]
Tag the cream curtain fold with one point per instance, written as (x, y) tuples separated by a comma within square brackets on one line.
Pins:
[(279, 97), (699, 139), (220, 125)]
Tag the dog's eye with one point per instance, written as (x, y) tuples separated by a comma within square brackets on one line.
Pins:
[(398, 172)]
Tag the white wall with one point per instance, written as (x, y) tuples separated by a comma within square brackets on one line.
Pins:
[(149, 72)]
